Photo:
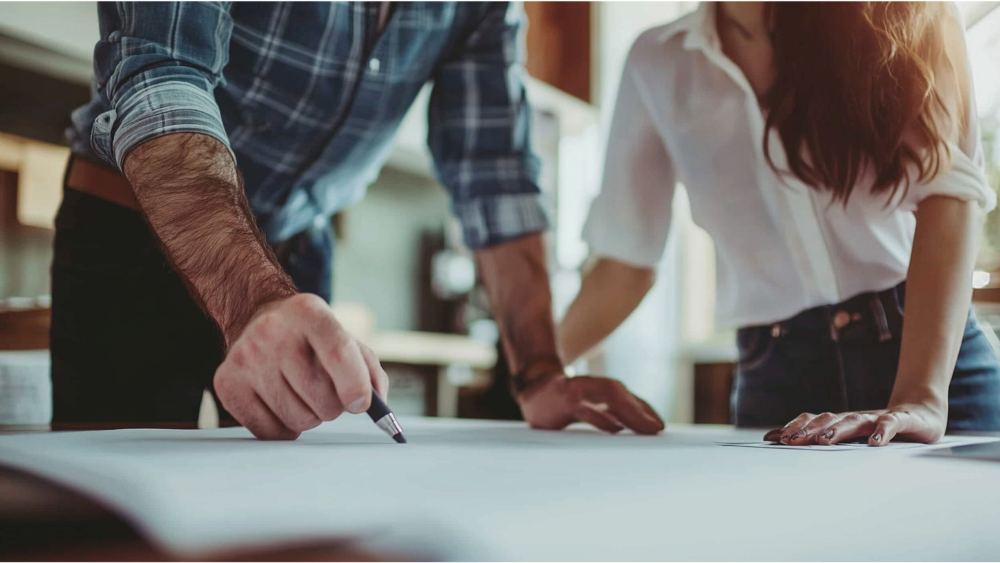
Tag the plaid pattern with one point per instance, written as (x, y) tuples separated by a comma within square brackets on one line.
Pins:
[(308, 96)]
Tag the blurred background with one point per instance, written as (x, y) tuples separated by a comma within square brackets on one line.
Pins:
[(403, 281)]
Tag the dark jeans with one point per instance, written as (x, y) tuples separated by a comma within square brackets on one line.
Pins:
[(128, 342), (844, 357)]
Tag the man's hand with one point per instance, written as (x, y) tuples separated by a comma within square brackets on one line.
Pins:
[(518, 284), (289, 364), (558, 401), (293, 367)]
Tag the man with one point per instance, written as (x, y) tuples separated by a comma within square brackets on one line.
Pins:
[(222, 118)]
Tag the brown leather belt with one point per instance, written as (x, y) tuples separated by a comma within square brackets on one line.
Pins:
[(100, 181)]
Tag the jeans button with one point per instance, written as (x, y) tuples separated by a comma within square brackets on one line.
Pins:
[(841, 319)]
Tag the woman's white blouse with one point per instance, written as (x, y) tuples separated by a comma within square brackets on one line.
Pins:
[(686, 113)]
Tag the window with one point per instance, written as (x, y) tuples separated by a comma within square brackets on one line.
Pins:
[(983, 39)]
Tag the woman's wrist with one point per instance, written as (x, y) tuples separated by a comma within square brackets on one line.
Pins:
[(926, 396)]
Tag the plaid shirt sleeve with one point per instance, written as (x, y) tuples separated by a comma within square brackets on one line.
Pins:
[(158, 64), (479, 132)]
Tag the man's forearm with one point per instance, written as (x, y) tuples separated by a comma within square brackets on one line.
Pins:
[(516, 277), (192, 196)]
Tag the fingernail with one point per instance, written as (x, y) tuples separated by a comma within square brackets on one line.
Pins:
[(877, 437), (357, 406), (828, 434)]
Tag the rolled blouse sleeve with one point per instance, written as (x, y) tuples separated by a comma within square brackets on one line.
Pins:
[(630, 218)]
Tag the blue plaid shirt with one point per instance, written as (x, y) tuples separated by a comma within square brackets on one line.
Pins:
[(309, 95)]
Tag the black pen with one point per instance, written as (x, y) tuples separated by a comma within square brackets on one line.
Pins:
[(384, 418)]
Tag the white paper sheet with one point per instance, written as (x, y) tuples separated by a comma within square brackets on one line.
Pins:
[(946, 442), (482, 490)]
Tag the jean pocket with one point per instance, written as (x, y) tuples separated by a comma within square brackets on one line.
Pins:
[(755, 346)]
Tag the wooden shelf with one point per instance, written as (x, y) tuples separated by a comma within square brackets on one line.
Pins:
[(26, 329), (428, 348)]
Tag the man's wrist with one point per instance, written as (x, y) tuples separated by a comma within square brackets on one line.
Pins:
[(233, 328), (534, 374), (192, 196)]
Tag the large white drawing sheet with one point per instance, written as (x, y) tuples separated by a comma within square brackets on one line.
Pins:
[(488, 490)]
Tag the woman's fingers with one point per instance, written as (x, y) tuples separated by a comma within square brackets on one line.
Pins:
[(878, 427), (850, 426), (813, 429), (886, 428), (792, 429)]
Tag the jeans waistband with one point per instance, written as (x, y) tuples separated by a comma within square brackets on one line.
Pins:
[(880, 310)]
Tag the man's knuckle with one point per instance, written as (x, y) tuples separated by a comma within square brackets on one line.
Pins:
[(260, 328), (297, 419), (337, 352), (614, 386), (224, 385), (302, 303), (306, 422), (245, 353), (353, 390), (329, 410)]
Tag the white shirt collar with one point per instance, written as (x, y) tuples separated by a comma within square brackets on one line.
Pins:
[(700, 29)]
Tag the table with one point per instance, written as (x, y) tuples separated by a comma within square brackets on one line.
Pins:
[(491, 490), (43, 521)]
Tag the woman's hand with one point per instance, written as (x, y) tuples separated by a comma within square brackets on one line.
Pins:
[(914, 422)]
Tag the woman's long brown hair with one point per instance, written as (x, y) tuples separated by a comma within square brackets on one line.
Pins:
[(857, 88)]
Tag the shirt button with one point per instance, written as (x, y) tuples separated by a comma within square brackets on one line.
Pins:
[(374, 65), (841, 319)]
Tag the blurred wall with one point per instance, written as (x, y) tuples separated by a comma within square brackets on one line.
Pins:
[(377, 258)]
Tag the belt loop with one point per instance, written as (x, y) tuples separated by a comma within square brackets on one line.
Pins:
[(834, 332), (878, 313)]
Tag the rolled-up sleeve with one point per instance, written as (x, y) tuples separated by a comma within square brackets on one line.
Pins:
[(962, 175), (630, 219), (158, 64), (479, 132)]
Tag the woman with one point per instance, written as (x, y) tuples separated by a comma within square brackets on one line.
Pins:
[(832, 152)]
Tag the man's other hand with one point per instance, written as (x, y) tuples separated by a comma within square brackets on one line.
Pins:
[(293, 367), (558, 401)]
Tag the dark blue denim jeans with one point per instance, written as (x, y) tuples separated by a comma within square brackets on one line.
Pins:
[(844, 357)]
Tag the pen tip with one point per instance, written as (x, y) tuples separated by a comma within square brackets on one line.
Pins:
[(399, 438)]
